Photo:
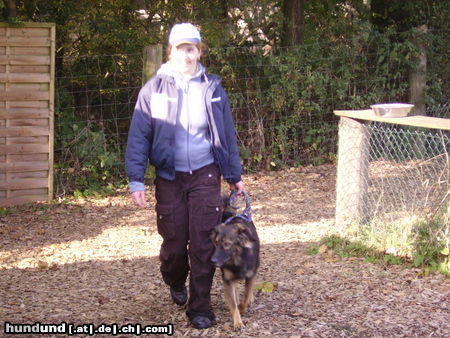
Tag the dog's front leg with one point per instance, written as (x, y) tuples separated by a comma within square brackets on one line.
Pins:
[(248, 294), (230, 297)]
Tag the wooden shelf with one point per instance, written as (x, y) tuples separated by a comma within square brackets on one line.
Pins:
[(414, 121)]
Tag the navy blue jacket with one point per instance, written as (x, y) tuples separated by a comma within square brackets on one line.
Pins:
[(152, 129)]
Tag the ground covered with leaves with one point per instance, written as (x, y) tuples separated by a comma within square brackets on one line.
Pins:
[(96, 261)]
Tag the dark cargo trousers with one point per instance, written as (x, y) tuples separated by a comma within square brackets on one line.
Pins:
[(187, 209)]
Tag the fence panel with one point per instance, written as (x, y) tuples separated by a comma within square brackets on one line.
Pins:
[(392, 172), (26, 112)]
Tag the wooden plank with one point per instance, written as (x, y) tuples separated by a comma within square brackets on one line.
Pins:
[(24, 77), (28, 158), (27, 140), (24, 148), (28, 51), (29, 31), (29, 122), (28, 69), (7, 202), (25, 42), (24, 96), (27, 192), (24, 59), (28, 87), (28, 175), (28, 104), (4, 25), (25, 183), (23, 166), (23, 131), (413, 121), (18, 113)]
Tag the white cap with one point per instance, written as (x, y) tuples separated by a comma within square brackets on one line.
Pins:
[(184, 33)]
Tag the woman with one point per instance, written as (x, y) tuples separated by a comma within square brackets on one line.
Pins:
[(183, 125)]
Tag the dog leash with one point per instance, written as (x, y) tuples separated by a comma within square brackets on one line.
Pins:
[(246, 215)]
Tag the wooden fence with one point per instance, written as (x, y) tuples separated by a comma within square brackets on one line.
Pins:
[(27, 54)]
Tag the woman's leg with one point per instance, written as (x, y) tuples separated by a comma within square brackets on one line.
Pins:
[(204, 205), (173, 226)]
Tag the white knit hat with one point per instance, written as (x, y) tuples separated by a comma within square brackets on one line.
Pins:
[(184, 33)]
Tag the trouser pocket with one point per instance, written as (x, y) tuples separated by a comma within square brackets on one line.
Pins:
[(165, 221)]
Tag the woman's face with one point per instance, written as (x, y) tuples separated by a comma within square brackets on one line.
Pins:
[(184, 58)]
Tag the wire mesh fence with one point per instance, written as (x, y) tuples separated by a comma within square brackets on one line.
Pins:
[(282, 100), (408, 172), (391, 178)]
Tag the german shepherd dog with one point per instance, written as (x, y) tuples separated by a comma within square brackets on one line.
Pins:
[(237, 255)]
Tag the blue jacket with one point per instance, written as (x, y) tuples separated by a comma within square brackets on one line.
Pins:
[(152, 129)]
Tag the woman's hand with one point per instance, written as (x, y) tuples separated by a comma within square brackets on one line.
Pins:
[(138, 198), (239, 187)]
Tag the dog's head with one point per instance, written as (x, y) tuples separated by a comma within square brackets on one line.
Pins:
[(229, 242)]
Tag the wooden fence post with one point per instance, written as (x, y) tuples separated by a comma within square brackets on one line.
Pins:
[(152, 60), (352, 173)]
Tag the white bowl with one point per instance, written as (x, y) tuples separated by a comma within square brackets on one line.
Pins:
[(392, 109)]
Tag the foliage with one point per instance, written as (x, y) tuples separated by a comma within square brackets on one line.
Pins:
[(267, 287), (90, 161), (4, 211), (431, 240), (283, 98)]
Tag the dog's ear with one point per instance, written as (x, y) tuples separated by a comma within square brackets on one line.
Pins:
[(244, 229), (241, 227), (244, 241)]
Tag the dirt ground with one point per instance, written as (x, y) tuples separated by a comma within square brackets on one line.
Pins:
[(96, 261)]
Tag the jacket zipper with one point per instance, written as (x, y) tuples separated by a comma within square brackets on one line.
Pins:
[(209, 114), (188, 128)]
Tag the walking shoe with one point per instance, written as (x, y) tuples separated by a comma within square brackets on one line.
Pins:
[(201, 322), (179, 294)]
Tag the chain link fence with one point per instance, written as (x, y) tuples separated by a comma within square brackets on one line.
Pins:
[(390, 178)]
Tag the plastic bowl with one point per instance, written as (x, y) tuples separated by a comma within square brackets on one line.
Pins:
[(392, 109)]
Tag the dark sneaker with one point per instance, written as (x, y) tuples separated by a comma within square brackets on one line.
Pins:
[(179, 294), (201, 322)]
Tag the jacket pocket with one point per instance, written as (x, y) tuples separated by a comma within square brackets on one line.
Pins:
[(165, 221)]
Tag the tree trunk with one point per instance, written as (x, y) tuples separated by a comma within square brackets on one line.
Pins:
[(12, 9), (417, 76), (292, 22)]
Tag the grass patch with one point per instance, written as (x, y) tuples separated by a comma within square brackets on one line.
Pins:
[(419, 243)]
